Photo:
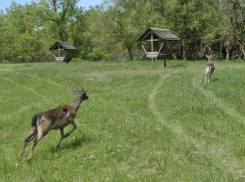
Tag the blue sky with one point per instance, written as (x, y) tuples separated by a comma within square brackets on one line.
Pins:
[(84, 3)]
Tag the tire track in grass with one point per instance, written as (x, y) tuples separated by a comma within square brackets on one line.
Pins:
[(21, 110), (38, 78), (20, 85), (32, 89), (29, 89), (222, 104), (151, 98), (232, 165), (176, 128), (200, 144)]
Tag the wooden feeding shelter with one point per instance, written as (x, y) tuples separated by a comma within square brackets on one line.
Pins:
[(155, 35), (63, 51)]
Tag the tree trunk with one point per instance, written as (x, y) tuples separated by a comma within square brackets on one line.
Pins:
[(61, 36), (242, 50), (60, 32), (185, 44), (227, 54), (237, 48), (130, 54)]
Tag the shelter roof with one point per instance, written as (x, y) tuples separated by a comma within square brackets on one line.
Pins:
[(162, 34), (64, 45)]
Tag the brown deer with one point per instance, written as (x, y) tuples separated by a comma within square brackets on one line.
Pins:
[(57, 118), (209, 68)]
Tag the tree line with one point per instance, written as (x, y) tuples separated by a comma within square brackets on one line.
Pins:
[(109, 31)]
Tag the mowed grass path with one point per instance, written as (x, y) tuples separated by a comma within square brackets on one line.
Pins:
[(139, 123)]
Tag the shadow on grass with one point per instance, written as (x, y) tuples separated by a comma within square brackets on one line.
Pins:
[(215, 80), (77, 142), (179, 65)]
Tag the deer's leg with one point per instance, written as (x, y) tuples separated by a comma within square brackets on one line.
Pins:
[(42, 130), (205, 77), (209, 78), (66, 135), (28, 139), (74, 127), (62, 136), (36, 140)]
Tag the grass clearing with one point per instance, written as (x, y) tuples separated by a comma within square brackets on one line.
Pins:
[(139, 123)]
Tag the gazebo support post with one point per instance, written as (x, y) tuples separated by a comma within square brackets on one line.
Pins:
[(143, 47), (165, 59), (152, 59)]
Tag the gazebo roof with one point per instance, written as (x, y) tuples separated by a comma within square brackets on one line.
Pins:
[(64, 45), (162, 34)]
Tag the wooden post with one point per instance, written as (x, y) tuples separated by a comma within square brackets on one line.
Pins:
[(59, 49), (161, 46), (165, 58), (152, 59), (59, 52), (155, 48), (143, 47)]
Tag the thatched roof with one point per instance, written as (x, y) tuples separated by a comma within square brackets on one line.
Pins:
[(162, 34), (64, 45)]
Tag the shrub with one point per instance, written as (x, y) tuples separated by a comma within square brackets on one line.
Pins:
[(76, 60), (99, 54)]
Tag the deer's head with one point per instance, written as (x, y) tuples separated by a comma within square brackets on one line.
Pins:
[(81, 94)]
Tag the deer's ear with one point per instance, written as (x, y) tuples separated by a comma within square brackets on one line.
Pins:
[(206, 56), (74, 90)]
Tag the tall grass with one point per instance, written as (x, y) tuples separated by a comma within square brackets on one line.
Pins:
[(139, 123)]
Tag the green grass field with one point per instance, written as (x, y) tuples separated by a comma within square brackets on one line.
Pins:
[(139, 123)]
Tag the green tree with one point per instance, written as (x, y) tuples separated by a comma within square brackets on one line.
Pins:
[(227, 33), (61, 12), (96, 21), (12, 25), (76, 32), (126, 19), (188, 19)]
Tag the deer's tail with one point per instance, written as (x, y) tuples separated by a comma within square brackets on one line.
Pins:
[(34, 120)]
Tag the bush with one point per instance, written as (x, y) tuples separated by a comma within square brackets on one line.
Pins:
[(76, 60), (99, 54)]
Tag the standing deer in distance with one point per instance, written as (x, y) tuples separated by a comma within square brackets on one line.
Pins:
[(209, 68), (57, 118)]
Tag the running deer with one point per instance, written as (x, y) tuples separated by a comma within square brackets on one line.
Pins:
[(209, 68), (57, 118)]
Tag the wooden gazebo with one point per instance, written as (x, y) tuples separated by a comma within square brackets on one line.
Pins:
[(63, 51), (155, 35)]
